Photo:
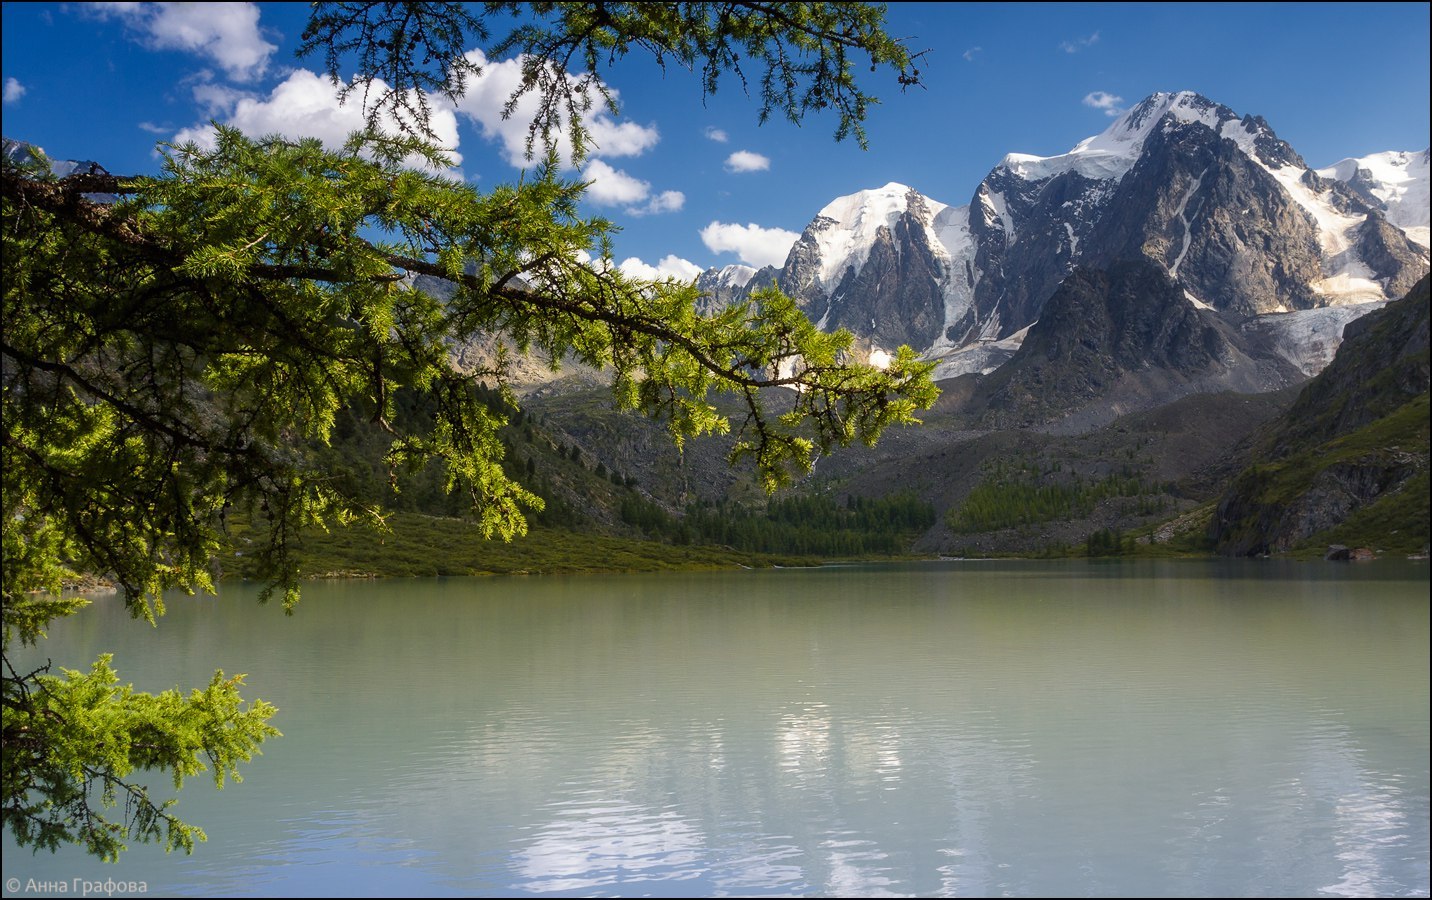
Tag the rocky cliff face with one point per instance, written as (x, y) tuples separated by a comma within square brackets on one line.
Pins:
[(1025, 237), (722, 287), (1386, 250), (874, 263), (895, 297)]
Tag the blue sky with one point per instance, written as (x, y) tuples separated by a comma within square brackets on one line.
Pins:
[(107, 81)]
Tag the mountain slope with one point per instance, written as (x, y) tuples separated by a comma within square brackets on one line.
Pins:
[(1355, 445), (1116, 341)]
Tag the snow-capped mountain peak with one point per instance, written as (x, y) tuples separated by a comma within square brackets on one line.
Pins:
[(847, 227), (735, 275), (1113, 152), (1231, 213)]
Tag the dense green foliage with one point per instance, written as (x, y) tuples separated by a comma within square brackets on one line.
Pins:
[(68, 738), (1108, 542), (176, 362), (1021, 494)]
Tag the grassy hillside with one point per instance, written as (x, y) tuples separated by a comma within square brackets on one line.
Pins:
[(1368, 488)]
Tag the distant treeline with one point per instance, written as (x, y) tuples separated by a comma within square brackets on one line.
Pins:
[(1012, 496), (814, 525)]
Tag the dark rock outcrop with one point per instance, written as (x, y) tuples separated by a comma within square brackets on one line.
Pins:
[(1126, 339)]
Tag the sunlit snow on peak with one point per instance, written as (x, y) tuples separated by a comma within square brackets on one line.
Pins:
[(848, 226), (1113, 152), (1397, 178)]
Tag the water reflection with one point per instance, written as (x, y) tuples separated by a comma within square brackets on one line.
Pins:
[(591, 843), (1023, 730), (803, 745)]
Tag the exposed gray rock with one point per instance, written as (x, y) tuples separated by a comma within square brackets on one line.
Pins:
[(1116, 341), (1213, 218), (1222, 204), (1392, 256)]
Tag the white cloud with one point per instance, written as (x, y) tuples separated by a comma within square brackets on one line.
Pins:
[(217, 99), (610, 187), (665, 202), (670, 266), (717, 135), (610, 138), (1109, 103), (306, 105), (684, 269), (1078, 44), (607, 186), (746, 161), (227, 33), (14, 90), (971, 53), (756, 246), (489, 92)]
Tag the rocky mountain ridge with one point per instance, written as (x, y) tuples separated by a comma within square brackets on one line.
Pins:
[(1231, 212)]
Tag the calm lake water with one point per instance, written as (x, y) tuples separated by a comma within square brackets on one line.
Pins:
[(980, 728)]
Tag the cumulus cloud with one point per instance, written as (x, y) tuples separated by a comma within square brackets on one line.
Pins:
[(971, 53), (670, 266), (746, 161), (717, 135), (1110, 104), (217, 99), (226, 33), (1078, 44), (756, 246), (608, 186), (306, 105), (489, 92), (14, 90), (665, 202), (611, 187)]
